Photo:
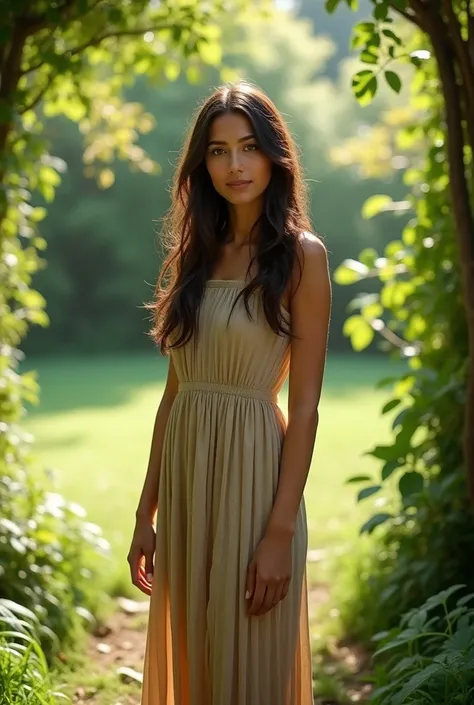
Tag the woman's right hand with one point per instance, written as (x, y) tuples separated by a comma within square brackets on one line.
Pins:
[(140, 556)]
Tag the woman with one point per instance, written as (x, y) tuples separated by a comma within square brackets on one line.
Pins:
[(247, 303)]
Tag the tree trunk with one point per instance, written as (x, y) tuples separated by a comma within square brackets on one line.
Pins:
[(455, 97), (10, 68)]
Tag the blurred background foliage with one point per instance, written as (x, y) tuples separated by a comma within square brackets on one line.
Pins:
[(103, 245)]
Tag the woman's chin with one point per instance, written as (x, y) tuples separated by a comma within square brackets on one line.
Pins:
[(241, 199)]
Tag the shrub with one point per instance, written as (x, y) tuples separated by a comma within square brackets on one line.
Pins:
[(49, 558), (24, 674), (429, 656), (423, 524)]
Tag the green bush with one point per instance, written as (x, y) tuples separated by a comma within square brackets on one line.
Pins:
[(50, 558), (422, 523), (418, 553), (429, 657), (24, 673)]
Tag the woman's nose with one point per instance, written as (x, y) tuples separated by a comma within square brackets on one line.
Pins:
[(235, 162)]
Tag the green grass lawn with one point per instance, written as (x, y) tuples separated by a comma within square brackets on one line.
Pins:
[(93, 430)]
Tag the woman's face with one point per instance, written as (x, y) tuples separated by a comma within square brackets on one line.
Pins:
[(239, 170)]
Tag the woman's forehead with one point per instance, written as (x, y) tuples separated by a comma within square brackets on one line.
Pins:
[(230, 127)]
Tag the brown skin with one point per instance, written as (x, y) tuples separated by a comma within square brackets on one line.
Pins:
[(142, 549), (231, 156), (269, 572)]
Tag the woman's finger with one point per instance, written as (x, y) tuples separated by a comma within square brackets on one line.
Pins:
[(250, 582), (134, 561), (268, 600), (278, 595), (258, 596), (144, 584), (149, 567)]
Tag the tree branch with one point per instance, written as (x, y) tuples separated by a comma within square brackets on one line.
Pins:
[(34, 102), (460, 202), (116, 35), (95, 41), (410, 17), (392, 337), (33, 23), (465, 67), (470, 28), (9, 78)]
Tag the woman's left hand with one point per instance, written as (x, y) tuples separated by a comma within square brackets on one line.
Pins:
[(269, 574)]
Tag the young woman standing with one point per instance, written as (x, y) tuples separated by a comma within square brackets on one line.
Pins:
[(246, 304)]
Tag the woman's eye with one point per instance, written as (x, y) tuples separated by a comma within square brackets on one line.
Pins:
[(251, 147), (216, 151)]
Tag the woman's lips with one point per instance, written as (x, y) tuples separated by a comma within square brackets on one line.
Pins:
[(239, 185)]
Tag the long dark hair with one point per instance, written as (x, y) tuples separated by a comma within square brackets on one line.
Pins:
[(196, 224)]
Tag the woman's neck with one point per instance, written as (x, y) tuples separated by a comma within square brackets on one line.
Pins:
[(241, 221)]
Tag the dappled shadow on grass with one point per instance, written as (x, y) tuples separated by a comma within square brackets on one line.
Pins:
[(70, 441), (71, 384)]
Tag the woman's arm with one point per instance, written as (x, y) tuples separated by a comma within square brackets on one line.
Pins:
[(310, 314), (142, 548), (269, 572), (147, 504)]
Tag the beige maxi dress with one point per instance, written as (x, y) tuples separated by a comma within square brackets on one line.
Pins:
[(219, 475)]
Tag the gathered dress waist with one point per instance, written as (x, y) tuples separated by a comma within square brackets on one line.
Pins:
[(250, 392)]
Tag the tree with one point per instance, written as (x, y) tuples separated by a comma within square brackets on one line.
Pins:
[(442, 54), (73, 57)]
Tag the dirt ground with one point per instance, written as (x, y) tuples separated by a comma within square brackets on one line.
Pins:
[(118, 647)]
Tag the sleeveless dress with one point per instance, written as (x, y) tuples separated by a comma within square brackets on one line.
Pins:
[(219, 475)]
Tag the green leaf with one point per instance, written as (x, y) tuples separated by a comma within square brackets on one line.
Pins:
[(381, 452), (367, 94), (368, 27), (372, 311), (38, 214), (358, 478), (391, 35), (390, 405), (418, 619), (210, 53), (436, 600), (361, 79), (172, 70), (349, 272), (369, 57), (410, 483), (375, 205), (393, 80), (465, 599), (385, 381), (359, 331), (368, 257), (331, 5), (389, 468), (381, 11), (368, 492), (416, 681), (374, 521)]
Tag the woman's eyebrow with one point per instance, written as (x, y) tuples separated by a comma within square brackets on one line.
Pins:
[(242, 139)]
